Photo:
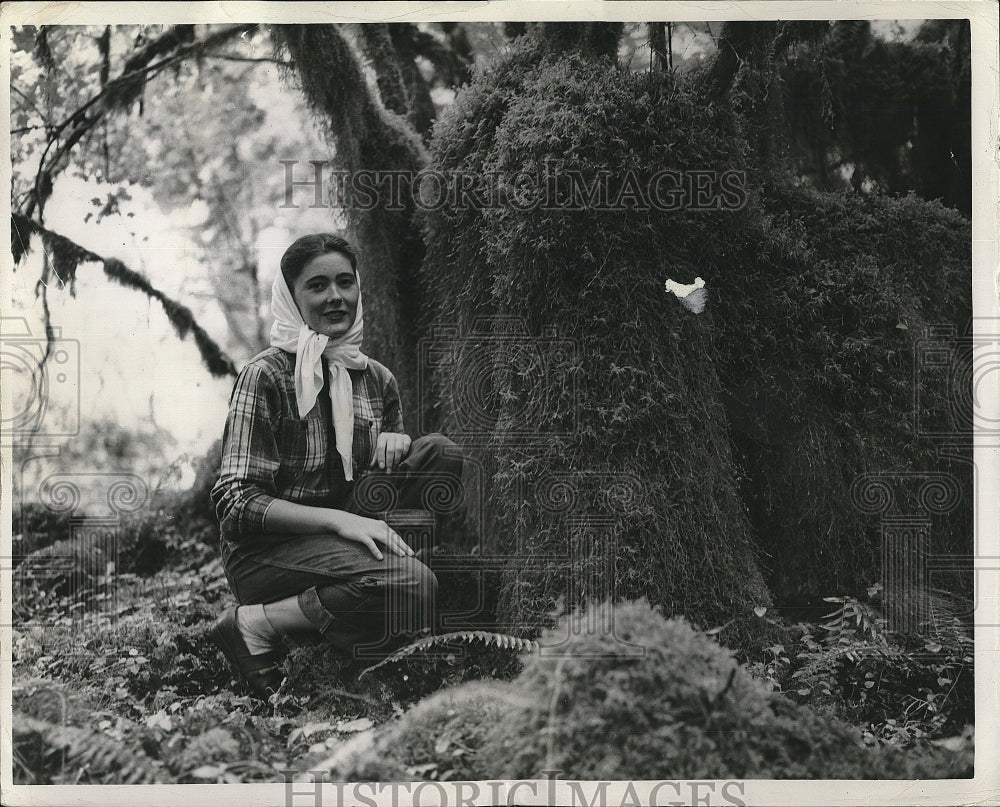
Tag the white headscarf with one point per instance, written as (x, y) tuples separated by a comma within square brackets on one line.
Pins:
[(290, 332)]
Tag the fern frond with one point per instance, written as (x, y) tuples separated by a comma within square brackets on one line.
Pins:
[(826, 661), (502, 640), (74, 755)]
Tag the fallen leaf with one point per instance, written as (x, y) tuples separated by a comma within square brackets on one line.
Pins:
[(352, 726), (160, 720), (208, 772)]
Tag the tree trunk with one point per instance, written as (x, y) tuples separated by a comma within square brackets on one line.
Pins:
[(587, 399), (658, 46)]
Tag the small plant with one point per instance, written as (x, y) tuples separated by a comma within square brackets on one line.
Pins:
[(904, 689)]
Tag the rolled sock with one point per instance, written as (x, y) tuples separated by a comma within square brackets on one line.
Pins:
[(258, 634)]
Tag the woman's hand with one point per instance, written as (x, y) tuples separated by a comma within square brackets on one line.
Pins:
[(390, 450), (370, 532)]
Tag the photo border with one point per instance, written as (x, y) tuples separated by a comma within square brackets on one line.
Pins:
[(983, 16)]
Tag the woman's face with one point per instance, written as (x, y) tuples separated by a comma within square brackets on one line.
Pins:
[(327, 294)]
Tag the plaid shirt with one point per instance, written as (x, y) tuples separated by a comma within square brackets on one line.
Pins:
[(269, 453)]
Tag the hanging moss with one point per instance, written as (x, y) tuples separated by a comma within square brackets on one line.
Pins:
[(895, 115), (218, 363), (21, 231), (65, 257), (409, 44), (378, 47)]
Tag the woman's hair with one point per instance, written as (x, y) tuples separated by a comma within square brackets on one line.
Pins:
[(307, 247)]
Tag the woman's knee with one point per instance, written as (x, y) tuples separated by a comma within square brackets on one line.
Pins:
[(438, 442), (436, 448), (418, 582)]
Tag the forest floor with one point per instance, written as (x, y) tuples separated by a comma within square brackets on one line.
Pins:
[(129, 688)]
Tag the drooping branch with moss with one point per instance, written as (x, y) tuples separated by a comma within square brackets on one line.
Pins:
[(64, 257)]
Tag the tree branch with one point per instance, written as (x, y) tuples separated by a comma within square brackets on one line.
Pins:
[(378, 47), (227, 57), (67, 255), (31, 102), (334, 85), (118, 94)]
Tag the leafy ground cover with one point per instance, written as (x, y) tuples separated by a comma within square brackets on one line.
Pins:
[(123, 685)]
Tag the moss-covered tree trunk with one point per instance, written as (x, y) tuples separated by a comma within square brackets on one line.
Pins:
[(825, 333), (629, 447), (608, 453)]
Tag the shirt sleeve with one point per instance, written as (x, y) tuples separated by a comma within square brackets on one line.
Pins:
[(250, 459), (392, 408)]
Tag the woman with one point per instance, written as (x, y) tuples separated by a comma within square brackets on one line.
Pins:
[(309, 419)]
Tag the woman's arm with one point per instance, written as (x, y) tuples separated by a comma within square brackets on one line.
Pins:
[(245, 493), (393, 443), (250, 457), (291, 517)]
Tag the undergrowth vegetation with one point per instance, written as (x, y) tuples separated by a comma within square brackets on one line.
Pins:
[(120, 669), (898, 688), (122, 684), (654, 700)]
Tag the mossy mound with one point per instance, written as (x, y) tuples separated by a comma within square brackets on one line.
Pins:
[(608, 460), (683, 709), (679, 708), (439, 738)]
